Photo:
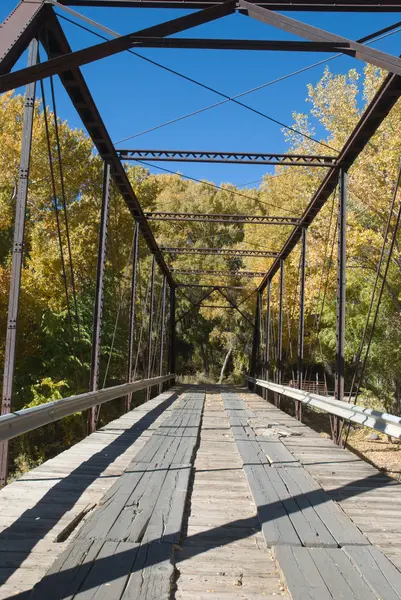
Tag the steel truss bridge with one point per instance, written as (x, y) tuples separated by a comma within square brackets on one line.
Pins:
[(121, 515)]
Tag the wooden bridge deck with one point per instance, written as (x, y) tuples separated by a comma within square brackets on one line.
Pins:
[(202, 493)]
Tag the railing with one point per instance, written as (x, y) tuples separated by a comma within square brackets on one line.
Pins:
[(380, 421), (22, 421), (317, 387)]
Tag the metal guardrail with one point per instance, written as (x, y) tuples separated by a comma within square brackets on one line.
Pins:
[(368, 417), (22, 421)]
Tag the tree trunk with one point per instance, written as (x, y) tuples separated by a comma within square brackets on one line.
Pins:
[(223, 368)]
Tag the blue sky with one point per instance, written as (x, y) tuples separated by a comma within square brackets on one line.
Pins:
[(133, 95)]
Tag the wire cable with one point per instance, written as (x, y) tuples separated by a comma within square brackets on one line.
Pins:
[(204, 86), (56, 211), (64, 203)]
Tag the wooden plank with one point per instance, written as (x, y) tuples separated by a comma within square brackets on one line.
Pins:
[(68, 572), (152, 574), (276, 525), (102, 520), (379, 573), (175, 518), (319, 535), (278, 454), (340, 526), (301, 575), (163, 508), (109, 573), (340, 576)]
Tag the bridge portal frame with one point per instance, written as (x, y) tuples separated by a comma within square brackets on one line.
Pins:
[(36, 20)]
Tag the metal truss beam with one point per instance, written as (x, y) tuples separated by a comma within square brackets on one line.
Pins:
[(233, 44), (294, 160), (283, 5), (221, 273), (379, 107), (18, 30), (219, 251), (220, 287), (221, 218), (55, 44), (314, 34), (59, 64)]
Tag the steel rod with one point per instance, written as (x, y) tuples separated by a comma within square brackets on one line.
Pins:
[(17, 256)]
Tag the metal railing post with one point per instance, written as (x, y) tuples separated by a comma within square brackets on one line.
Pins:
[(255, 341), (301, 324), (267, 336), (280, 332), (17, 255), (128, 398), (99, 298), (162, 330), (340, 307), (150, 330), (172, 344)]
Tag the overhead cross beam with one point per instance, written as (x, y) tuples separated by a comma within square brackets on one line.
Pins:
[(234, 44), (221, 273), (282, 5), (68, 60), (221, 218), (219, 251), (247, 158), (314, 34)]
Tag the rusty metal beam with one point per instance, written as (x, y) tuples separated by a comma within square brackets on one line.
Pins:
[(55, 44), (219, 251), (247, 158), (17, 31), (221, 218), (380, 106), (68, 60)]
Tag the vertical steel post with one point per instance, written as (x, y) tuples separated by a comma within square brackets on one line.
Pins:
[(280, 331), (131, 334), (301, 323), (255, 342), (162, 330), (171, 350), (267, 339), (340, 311), (99, 298), (150, 330), (17, 256)]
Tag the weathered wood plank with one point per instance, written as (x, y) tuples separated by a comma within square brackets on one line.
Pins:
[(379, 573)]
